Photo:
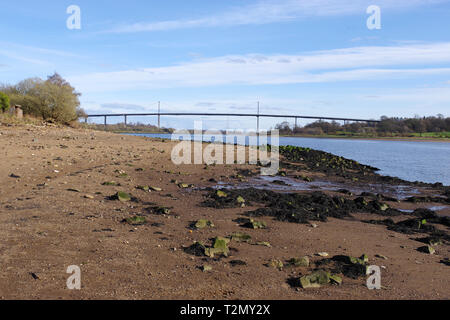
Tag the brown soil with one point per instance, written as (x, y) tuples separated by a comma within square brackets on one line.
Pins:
[(46, 226)]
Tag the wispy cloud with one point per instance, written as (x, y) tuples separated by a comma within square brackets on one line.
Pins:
[(22, 53), (358, 63), (270, 11)]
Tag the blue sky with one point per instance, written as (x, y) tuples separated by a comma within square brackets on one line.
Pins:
[(307, 57)]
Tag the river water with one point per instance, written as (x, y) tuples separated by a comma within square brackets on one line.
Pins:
[(408, 160)]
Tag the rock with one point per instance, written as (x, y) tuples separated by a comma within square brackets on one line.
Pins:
[(183, 185), (88, 196), (206, 268), (264, 243), (156, 189), (123, 196), (136, 220), (110, 183), (323, 254), (315, 279), (221, 194), (380, 256), (300, 262), (276, 264), (241, 201), (143, 188), (203, 223), (363, 260), (313, 225), (220, 246), (253, 224), (240, 237), (336, 280)]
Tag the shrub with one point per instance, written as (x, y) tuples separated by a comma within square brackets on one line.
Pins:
[(4, 102), (54, 99)]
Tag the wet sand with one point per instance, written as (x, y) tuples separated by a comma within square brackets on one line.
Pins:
[(56, 212)]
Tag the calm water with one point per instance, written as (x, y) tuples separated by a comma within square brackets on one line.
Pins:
[(408, 160)]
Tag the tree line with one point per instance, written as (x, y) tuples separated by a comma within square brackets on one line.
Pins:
[(386, 127)]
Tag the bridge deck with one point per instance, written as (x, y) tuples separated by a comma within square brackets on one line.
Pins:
[(226, 115)]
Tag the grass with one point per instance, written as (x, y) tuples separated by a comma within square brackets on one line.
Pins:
[(352, 135)]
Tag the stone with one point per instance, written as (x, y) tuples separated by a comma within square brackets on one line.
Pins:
[(240, 237), (203, 223), (300, 262), (336, 280), (123, 196), (221, 194), (315, 279), (206, 268)]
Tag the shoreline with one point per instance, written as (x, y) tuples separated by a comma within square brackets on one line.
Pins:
[(411, 139), (57, 198)]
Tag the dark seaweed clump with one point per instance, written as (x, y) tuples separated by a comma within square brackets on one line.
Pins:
[(429, 199), (421, 224), (322, 161), (298, 208)]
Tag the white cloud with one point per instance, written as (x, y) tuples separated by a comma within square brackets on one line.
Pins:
[(358, 63), (271, 11)]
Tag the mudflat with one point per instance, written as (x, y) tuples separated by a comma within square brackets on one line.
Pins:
[(64, 202)]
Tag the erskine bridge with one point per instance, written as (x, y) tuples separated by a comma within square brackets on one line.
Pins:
[(257, 116)]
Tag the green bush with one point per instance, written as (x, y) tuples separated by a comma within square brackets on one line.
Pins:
[(4, 102)]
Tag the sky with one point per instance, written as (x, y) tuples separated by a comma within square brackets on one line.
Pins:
[(303, 57)]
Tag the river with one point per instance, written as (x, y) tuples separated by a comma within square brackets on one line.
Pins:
[(409, 160)]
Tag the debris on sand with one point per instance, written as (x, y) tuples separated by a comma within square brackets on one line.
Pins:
[(240, 237), (275, 264), (122, 196), (235, 263), (159, 210), (203, 223), (135, 220), (315, 280), (206, 268), (299, 262), (427, 249), (264, 243), (143, 188), (251, 223), (111, 183), (323, 254), (350, 267), (219, 247)]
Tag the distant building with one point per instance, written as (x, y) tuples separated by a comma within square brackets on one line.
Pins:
[(16, 111)]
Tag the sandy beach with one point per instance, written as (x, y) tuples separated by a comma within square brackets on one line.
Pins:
[(58, 209)]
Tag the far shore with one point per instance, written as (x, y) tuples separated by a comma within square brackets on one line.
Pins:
[(413, 139)]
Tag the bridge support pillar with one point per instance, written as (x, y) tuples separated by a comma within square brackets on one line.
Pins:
[(125, 120), (105, 121), (296, 126), (85, 120)]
